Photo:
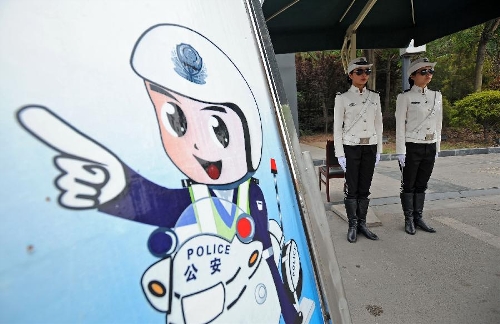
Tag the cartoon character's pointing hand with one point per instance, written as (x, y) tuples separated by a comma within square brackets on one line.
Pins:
[(86, 167)]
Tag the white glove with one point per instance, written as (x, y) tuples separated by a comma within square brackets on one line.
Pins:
[(377, 159), (90, 174), (342, 162), (437, 155), (401, 158)]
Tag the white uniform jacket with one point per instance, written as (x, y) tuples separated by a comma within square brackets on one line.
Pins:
[(357, 119), (419, 118)]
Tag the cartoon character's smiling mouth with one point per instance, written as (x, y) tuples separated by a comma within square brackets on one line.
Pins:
[(212, 168)]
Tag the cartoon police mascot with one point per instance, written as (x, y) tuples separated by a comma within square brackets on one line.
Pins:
[(217, 258)]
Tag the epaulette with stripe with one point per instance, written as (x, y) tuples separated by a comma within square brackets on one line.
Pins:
[(188, 183)]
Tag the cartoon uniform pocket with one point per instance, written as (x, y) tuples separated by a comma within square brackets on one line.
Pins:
[(205, 306)]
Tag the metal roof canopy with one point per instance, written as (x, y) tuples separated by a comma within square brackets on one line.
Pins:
[(317, 25)]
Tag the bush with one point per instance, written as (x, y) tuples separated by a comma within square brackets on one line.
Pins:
[(479, 110), (447, 112)]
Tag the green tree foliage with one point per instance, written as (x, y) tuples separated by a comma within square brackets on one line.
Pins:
[(480, 110), (487, 34), (319, 76), (491, 69), (455, 55)]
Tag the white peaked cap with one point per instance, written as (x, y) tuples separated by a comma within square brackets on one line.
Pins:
[(359, 62), (420, 63)]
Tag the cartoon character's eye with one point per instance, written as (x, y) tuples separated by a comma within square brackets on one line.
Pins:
[(219, 132), (173, 119)]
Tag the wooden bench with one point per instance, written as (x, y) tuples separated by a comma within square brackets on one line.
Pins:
[(331, 169)]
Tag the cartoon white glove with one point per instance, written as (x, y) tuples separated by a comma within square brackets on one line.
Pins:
[(401, 158), (342, 162), (377, 159), (90, 174)]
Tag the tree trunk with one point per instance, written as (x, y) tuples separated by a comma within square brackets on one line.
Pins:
[(486, 35), (387, 98), (325, 114), (370, 56)]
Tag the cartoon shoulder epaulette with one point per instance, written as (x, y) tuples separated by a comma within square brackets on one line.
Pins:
[(188, 183), (255, 180)]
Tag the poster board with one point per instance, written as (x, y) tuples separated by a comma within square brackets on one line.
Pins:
[(119, 108)]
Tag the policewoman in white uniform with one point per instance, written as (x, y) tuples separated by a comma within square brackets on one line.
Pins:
[(357, 134), (419, 116)]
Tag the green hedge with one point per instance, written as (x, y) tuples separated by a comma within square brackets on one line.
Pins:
[(477, 111)]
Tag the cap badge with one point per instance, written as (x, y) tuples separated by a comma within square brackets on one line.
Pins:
[(189, 64)]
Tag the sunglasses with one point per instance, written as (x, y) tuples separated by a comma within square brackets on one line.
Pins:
[(361, 71), (425, 71)]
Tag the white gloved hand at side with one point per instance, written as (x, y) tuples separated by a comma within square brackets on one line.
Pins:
[(342, 162), (401, 158), (377, 159)]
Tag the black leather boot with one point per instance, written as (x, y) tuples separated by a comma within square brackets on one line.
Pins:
[(361, 212), (418, 208), (407, 204), (350, 208)]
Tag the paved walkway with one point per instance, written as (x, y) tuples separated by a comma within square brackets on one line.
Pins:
[(452, 276)]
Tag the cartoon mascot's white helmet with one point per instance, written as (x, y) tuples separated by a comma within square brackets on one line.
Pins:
[(186, 62)]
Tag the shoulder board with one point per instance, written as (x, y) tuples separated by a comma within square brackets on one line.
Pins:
[(406, 90), (339, 93), (187, 183), (373, 91)]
